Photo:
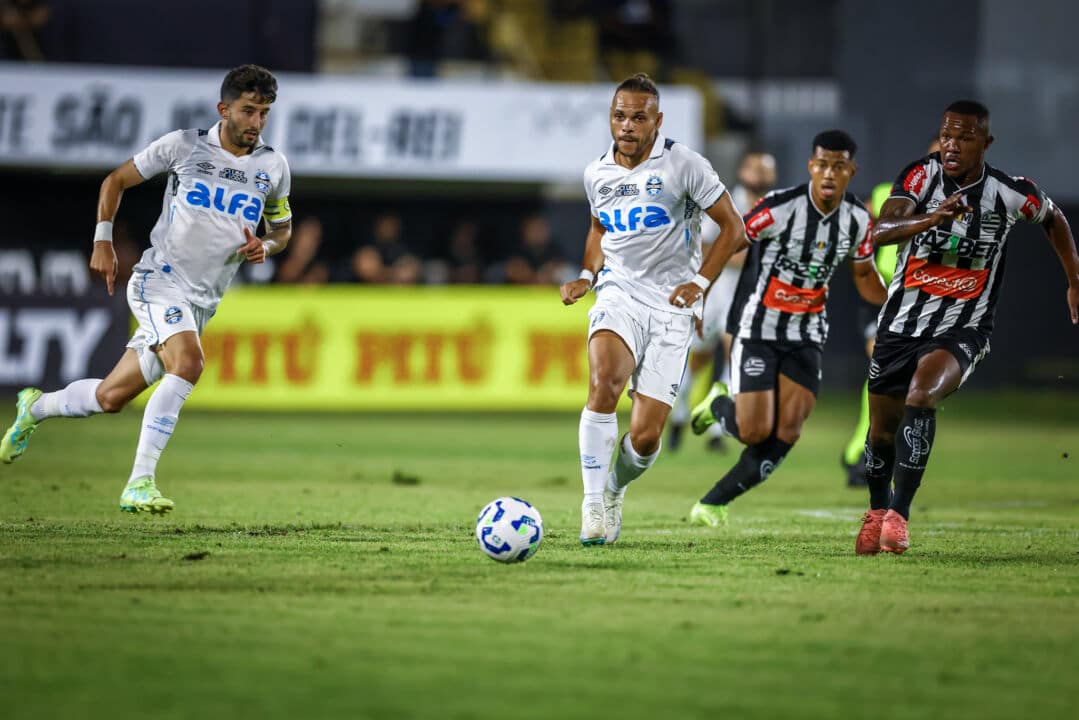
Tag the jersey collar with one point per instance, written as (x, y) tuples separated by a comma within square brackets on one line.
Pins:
[(823, 216), (657, 150), (949, 183), (213, 136)]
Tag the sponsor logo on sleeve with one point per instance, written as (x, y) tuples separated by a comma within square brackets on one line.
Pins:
[(915, 180), (760, 220), (865, 247), (1031, 207)]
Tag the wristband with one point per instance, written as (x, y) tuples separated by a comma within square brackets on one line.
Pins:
[(588, 275), (103, 232), (701, 281)]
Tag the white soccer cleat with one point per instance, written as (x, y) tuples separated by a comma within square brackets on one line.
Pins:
[(612, 514), (592, 530)]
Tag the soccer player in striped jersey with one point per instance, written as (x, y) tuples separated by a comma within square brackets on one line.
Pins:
[(222, 183), (643, 254), (798, 237), (956, 211)]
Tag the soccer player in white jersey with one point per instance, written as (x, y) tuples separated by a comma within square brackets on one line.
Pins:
[(712, 342), (799, 236), (222, 182), (643, 255)]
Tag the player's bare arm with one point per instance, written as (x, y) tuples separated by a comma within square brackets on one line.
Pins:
[(103, 260), (897, 223), (256, 250), (592, 263), (1063, 242), (731, 240), (868, 281)]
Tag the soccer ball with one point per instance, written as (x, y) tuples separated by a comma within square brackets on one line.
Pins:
[(509, 530)]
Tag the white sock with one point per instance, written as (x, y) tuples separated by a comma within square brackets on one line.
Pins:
[(629, 465), (79, 399), (680, 411), (597, 436), (158, 421)]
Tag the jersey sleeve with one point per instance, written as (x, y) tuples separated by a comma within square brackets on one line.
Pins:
[(913, 181), (1029, 203), (277, 209), (763, 221), (862, 245), (161, 155), (702, 183)]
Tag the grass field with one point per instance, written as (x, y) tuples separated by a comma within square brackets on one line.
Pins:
[(324, 565)]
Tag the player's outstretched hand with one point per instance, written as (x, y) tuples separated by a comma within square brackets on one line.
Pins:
[(575, 290), (253, 250), (103, 262), (686, 294), (1073, 303), (952, 207)]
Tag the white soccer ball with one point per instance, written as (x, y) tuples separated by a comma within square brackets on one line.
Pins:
[(509, 530)]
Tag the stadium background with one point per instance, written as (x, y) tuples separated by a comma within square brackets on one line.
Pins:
[(735, 76)]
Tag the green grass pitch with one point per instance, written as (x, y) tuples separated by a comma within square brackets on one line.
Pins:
[(325, 566)]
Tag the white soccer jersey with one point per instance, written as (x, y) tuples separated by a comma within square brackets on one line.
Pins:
[(211, 196), (652, 214)]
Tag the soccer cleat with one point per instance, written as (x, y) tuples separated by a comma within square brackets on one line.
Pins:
[(612, 514), (709, 515), (893, 533), (855, 472), (592, 530), (142, 495), (701, 417), (868, 542), (18, 435)]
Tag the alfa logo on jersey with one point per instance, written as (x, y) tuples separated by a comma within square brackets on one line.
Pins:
[(915, 180), (219, 198), (629, 220)]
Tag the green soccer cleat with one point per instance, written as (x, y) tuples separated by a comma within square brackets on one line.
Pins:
[(18, 435), (701, 417), (142, 495), (708, 515)]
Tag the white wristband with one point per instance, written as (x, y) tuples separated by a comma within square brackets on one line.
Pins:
[(588, 275), (103, 232), (701, 281)]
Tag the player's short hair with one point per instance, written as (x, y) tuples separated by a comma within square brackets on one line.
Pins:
[(639, 83), (249, 78), (834, 140), (970, 107)]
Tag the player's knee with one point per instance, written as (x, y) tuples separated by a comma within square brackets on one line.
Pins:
[(111, 400), (877, 437), (603, 394), (753, 433), (189, 367), (646, 441), (789, 433), (920, 397)]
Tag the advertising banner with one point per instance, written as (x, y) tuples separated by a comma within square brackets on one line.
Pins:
[(378, 348), (97, 117)]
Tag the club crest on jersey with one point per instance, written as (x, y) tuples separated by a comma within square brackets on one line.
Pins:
[(173, 315), (233, 174), (629, 220), (262, 181), (991, 222), (654, 186), (219, 198), (627, 190)]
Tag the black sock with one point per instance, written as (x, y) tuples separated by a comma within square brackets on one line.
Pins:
[(754, 466), (879, 462), (913, 441), (723, 412)]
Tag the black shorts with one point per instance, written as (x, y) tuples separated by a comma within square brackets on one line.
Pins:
[(757, 364), (895, 357)]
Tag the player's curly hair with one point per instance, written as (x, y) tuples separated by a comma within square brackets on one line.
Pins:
[(249, 78), (639, 83)]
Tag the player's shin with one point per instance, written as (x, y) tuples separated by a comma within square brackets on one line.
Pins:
[(597, 436), (754, 466), (879, 463), (723, 410), (913, 442), (158, 423), (79, 399)]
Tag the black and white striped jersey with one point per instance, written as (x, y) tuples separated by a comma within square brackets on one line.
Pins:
[(950, 276), (794, 250)]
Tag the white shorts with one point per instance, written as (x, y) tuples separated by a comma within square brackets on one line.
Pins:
[(161, 312), (717, 305), (658, 340)]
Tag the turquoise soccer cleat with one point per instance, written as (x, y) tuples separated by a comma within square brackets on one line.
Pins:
[(142, 495), (18, 435), (701, 417), (708, 515)]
